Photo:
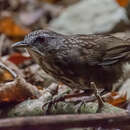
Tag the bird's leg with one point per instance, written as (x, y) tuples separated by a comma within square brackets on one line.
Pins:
[(56, 98), (97, 94), (86, 92), (62, 96)]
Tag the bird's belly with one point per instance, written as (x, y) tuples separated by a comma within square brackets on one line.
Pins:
[(60, 75)]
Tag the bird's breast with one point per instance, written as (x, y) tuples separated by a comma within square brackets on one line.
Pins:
[(45, 64), (34, 55)]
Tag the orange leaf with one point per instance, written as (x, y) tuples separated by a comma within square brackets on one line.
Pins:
[(116, 98), (123, 3), (10, 28), (18, 58), (5, 76), (12, 93)]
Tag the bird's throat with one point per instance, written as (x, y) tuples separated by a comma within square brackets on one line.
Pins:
[(34, 55)]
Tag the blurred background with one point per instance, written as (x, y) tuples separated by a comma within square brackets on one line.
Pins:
[(19, 17)]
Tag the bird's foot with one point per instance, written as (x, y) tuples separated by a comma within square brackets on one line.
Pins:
[(55, 99), (60, 97)]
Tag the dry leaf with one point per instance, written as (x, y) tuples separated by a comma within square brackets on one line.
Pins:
[(14, 92), (5, 76), (123, 3), (116, 98), (18, 58), (10, 28), (17, 89)]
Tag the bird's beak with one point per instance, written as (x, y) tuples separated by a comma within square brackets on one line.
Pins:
[(20, 44)]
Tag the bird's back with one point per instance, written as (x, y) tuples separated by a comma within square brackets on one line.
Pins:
[(89, 58)]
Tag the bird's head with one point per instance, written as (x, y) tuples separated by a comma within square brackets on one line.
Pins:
[(41, 42)]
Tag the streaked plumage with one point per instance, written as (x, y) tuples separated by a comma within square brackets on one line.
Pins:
[(77, 60)]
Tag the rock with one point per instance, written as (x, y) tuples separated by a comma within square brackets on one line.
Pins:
[(27, 108), (91, 16)]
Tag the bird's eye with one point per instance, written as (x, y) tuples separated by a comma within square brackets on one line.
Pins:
[(40, 39)]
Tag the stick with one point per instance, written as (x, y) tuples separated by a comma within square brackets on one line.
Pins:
[(106, 120)]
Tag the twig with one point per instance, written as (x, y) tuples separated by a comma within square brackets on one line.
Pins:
[(19, 85), (2, 66), (106, 120), (2, 38), (13, 67)]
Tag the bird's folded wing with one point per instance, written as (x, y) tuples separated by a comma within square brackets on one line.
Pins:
[(115, 54)]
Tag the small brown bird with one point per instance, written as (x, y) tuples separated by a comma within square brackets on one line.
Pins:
[(77, 60)]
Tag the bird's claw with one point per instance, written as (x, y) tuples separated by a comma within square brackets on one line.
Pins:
[(52, 101)]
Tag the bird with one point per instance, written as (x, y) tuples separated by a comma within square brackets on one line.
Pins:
[(76, 60)]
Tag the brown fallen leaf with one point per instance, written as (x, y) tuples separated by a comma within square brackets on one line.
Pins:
[(116, 98), (11, 29), (17, 89), (5, 75), (123, 3), (18, 58)]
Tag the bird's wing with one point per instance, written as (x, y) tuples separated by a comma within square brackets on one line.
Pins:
[(95, 50), (115, 54), (105, 50)]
